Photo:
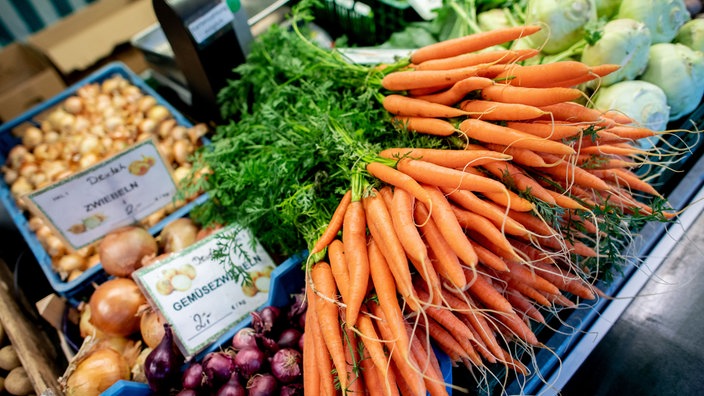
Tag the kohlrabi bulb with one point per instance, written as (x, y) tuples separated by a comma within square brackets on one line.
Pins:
[(645, 103), (563, 22), (679, 71), (662, 17), (623, 42)]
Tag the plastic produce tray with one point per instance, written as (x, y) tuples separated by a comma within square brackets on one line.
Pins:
[(286, 280), (71, 289)]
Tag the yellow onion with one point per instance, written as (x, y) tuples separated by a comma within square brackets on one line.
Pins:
[(121, 251), (151, 327), (97, 372), (114, 307)]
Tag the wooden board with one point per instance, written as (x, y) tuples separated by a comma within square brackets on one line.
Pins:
[(36, 353)]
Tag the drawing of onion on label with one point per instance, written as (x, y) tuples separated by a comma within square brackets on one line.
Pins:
[(140, 167), (176, 279), (88, 223), (260, 281)]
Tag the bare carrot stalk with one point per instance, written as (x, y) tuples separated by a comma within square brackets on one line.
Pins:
[(529, 96), (457, 91), (477, 58), (500, 111), (446, 157), (426, 125), (471, 43), (492, 133)]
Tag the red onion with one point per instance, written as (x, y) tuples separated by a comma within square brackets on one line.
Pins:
[(249, 361), (266, 320), (244, 338), (232, 387), (292, 390), (162, 365), (286, 365), (262, 385), (301, 341), (187, 392), (218, 367), (289, 338), (193, 376)]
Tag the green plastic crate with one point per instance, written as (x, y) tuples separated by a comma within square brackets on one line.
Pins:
[(364, 23)]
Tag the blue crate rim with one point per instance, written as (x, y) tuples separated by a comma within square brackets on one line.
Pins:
[(117, 68)]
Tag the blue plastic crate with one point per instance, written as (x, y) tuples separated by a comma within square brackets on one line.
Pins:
[(72, 289), (286, 280)]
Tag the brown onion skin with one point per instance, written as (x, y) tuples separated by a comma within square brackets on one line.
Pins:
[(151, 326), (121, 251), (97, 372), (114, 307)]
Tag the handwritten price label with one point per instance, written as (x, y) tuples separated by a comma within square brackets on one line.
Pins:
[(202, 297), (119, 191)]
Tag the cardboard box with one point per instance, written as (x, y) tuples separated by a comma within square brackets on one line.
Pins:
[(79, 41), (26, 79)]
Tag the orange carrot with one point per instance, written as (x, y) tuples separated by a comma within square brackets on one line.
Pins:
[(477, 58), (338, 266), (595, 72), (488, 258), (480, 287), (477, 223), (499, 111), (429, 367), (445, 260), (457, 91), (451, 230), (632, 132), (437, 175), (570, 283), (571, 173), (539, 75), (572, 112), (374, 349), (406, 365), (519, 156), (311, 373), (624, 149), (471, 43), (517, 327), (625, 178), (430, 126), (446, 157), (373, 382), (564, 201), (547, 130), (516, 177), (334, 225), (591, 161), (471, 202), (322, 355), (406, 106), (420, 79), (326, 311), (493, 133), (529, 96), (523, 305), (354, 238), (386, 240), (398, 179)]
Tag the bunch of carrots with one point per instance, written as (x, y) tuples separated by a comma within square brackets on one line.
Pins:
[(465, 246)]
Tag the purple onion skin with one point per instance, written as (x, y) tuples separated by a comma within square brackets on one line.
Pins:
[(187, 392), (287, 365), (289, 338), (262, 385), (218, 367), (301, 341), (193, 376), (291, 390), (249, 361), (266, 320), (232, 387), (162, 365), (245, 337)]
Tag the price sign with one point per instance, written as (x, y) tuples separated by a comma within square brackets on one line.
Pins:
[(203, 291), (116, 192)]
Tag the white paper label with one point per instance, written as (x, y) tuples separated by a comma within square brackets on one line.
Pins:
[(203, 297), (211, 22), (116, 192)]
